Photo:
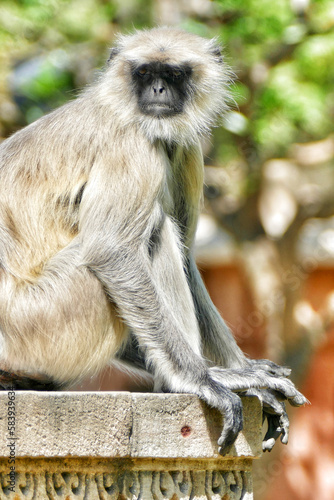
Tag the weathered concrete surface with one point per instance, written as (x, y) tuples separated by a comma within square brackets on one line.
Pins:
[(180, 425), (122, 446), (122, 424), (60, 424)]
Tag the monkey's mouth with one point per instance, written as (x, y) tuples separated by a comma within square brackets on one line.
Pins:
[(160, 109)]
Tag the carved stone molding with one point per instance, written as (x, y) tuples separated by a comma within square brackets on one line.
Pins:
[(129, 485)]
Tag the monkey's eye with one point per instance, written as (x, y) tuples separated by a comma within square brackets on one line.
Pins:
[(142, 71), (174, 74)]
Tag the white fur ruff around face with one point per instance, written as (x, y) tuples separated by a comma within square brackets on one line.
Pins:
[(208, 94)]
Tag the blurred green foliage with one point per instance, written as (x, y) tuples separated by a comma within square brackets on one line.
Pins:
[(51, 48), (282, 53)]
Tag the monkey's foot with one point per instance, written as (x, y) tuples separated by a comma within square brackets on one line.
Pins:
[(270, 384), (275, 414), (242, 379), (25, 382), (270, 367)]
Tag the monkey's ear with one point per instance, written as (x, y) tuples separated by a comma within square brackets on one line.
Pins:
[(114, 52), (216, 51)]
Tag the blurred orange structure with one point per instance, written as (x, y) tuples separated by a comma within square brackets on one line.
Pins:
[(304, 470)]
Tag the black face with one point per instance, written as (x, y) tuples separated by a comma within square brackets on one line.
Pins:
[(162, 89)]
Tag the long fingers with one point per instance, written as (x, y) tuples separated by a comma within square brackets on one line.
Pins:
[(270, 367), (240, 380), (275, 414), (269, 401), (287, 390), (284, 389), (233, 423), (278, 426)]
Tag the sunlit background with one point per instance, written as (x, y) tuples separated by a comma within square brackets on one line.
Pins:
[(265, 241)]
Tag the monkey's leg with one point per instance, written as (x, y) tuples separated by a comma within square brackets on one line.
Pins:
[(171, 280), (218, 342), (59, 330), (19, 381), (220, 346), (131, 354)]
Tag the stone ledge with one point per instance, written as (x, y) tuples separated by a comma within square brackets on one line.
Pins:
[(122, 424)]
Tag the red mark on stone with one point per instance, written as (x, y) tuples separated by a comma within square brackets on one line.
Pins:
[(186, 431)]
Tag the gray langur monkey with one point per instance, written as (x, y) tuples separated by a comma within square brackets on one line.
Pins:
[(98, 209)]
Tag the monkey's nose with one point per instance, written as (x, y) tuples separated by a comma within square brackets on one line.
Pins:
[(158, 90), (158, 87)]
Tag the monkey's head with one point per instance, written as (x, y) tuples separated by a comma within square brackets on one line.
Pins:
[(170, 83)]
